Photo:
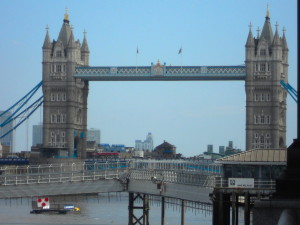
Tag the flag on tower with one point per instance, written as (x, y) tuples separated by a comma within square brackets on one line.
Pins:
[(137, 50), (180, 51)]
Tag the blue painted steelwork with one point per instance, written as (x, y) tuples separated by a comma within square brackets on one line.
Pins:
[(293, 93), (14, 161), (105, 165), (39, 101), (28, 96), (160, 72), (33, 107)]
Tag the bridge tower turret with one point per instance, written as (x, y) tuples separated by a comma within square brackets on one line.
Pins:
[(65, 98), (266, 64)]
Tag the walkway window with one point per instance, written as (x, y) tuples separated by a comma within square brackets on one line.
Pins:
[(58, 53), (58, 96), (52, 97), (256, 119), (268, 119), (58, 68), (263, 52), (64, 96)]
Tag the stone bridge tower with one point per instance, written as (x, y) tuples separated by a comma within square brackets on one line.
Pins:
[(266, 64), (65, 98)]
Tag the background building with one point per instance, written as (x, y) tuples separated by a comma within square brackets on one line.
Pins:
[(93, 135), (8, 140), (222, 149), (165, 151), (145, 145), (113, 148), (210, 148), (37, 135)]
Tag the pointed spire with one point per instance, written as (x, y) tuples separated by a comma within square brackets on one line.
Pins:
[(250, 39), (71, 43), (284, 43), (47, 43), (258, 30), (267, 32), (84, 47), (276, 40), (65, 30)]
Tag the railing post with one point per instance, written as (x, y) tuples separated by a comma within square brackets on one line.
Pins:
[(105, 170), (27, 171), (39, 174), (72, 174), (5, 175), (117, 168), (16, 172), (83, 168), (49, 175), (94, 170), (60, 174)]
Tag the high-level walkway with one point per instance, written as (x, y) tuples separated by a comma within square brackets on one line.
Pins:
[(160, 72)]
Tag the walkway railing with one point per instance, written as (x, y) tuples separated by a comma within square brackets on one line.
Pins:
[(203, 167), (58, 173), (174, 176), (205, 174)]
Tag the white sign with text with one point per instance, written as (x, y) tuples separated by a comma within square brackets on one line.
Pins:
[(241, 182)]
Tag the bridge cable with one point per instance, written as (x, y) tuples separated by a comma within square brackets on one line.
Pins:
[(36, 106), (292, 92), (19, 105), (31, 93)]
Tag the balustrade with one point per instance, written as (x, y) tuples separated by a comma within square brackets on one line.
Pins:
[(200, 173)]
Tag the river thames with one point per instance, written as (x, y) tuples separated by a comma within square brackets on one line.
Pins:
[(102, 209)]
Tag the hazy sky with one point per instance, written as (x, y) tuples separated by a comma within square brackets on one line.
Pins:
[(189, 115)]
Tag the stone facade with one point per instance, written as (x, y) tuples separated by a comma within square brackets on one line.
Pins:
[(266, 64), (65, 97)]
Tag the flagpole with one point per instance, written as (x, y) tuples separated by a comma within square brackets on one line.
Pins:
[(180, 52), (181, 60), (136, 55)]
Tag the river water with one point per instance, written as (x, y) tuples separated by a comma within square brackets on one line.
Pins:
[(102, 209)]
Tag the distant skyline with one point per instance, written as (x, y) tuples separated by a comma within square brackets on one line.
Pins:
[(189, 115)]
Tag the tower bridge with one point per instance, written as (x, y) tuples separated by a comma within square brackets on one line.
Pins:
[(66, 77)]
